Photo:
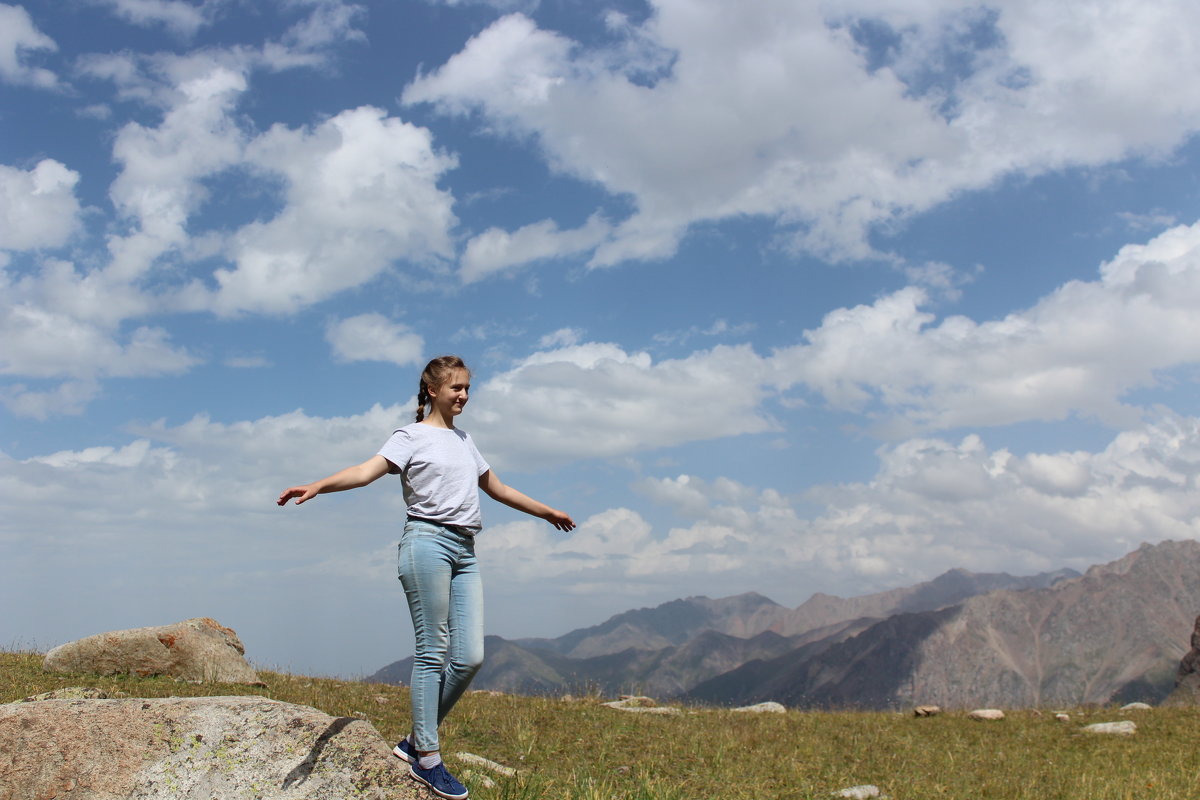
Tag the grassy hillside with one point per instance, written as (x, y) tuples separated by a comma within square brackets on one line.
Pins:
[(580, 750)]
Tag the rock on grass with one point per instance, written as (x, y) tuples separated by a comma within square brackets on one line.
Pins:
[(194, 748), (198, 649)]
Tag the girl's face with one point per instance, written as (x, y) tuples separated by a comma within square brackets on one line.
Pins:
[(452, 395)]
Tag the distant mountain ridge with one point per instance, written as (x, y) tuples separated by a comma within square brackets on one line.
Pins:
[(667, 625), (670, 649), (1115, 634), (946, 589), (747, 615)]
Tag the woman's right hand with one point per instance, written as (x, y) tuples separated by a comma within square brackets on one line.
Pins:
[(301, 493)]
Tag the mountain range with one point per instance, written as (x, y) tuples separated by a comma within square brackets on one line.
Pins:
[(1115, 633)]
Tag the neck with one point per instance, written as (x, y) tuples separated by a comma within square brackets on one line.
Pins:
[(435, 419)]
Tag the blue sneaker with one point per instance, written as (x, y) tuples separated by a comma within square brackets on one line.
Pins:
[(440, 781), (405, 750)]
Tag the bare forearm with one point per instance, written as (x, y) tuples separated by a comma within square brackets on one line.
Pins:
[(521, 502), (512, 498), (349, 478)]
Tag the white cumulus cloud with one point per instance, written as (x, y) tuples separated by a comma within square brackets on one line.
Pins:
[(360, 193), (496, 250), (161, 181), (180, 17), (933, 505), (374, 337), (595, 400), (18, 37), (1079, 350), (38, 207), (799, 112)]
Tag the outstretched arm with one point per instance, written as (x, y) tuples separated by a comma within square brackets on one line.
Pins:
[(349, 478), (497, 490)]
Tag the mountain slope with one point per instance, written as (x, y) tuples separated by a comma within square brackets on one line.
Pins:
[(1115, 634), (949, 588), (867, 670), (747, 615), (672, 623), (509, 667)]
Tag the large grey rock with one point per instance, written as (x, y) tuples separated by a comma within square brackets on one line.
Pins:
[(198, 649), (1187, 679), (232, 748)]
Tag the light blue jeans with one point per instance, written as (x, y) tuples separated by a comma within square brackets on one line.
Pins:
[(441, 580)]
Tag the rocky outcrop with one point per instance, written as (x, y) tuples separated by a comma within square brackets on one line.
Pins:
[(1187, 679), (192, 749), (197, 649)]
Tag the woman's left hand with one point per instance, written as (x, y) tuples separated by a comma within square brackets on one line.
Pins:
[(559, 519)]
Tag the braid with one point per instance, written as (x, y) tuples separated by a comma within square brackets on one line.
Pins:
[(422, 401), (435, 375)]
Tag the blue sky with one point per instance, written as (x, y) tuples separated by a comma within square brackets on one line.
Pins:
[(777, 297)]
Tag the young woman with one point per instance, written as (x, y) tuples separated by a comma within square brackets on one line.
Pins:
[(442, 473)]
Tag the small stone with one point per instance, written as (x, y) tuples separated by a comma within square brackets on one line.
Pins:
[(475, 778), (637, 703), (663, 710), (1122, 728), (927, 711), (380, 700), (1061, 717), (769, 707), (1136, 707), (859, 792), (623, 770), (488, 764), (986, 714)]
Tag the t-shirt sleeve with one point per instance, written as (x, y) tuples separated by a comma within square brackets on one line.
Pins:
[(481, 465), (398, 450)]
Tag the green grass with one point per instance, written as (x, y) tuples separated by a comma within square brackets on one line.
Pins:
[(580, 750)]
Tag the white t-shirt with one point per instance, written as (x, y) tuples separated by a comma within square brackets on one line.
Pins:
[(440, 468)]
